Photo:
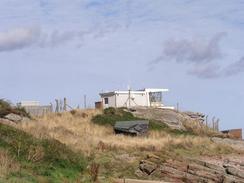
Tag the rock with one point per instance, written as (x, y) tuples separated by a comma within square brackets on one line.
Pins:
[(235, 172), (7, 122), (147, 167), (25, 119), (169, 117), (13, 117), (196, 116), (189, 170), (237, 144), (232, 179), (206, 173), (139, 173)]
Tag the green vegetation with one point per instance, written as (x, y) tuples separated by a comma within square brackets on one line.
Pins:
[(40, 160), (111, 115), (6, 108)]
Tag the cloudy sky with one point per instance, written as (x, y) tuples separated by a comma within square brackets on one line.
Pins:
[(55, 48)]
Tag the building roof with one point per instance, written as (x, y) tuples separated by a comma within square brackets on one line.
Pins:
[(129, 124), (132, 127), (146, 90)]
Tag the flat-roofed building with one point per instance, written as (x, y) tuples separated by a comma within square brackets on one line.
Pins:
[(148, 97)]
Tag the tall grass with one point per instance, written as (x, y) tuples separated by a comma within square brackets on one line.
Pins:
[(78, 132), (7, 164)]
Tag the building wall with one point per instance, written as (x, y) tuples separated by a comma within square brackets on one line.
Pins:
[(121, 100), (38, 110), (136, 100), (111, 101)]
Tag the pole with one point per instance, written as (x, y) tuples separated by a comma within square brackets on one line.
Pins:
[(57, 105), (129, 97), (85, 101), (65, 104)]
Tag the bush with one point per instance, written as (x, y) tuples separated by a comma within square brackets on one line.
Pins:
[(111, 115)]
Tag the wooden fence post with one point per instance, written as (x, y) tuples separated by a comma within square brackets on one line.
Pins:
[(57, 105), (65, 104)]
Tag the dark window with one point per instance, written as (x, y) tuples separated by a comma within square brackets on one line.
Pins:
[(106, 100), (155, 96)]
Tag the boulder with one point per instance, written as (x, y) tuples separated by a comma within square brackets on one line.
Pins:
[(169, 117), (235, 172), (7, 122), (147, 167), (13, 117)]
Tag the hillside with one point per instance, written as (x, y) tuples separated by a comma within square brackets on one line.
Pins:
[(81, 146), (117, 156), (24, 158)]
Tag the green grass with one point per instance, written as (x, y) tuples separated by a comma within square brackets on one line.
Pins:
[(48, 160), (111, 115)]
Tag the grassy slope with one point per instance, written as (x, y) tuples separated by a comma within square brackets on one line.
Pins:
[(117, 155), (39, 160)]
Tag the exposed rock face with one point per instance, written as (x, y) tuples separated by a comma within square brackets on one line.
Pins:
[(196, 115), (172, 118), (191, 170), (13, 117)]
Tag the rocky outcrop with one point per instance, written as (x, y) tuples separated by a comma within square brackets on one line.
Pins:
[(170, 117), (190, 170), (196, 116), (12, 119)]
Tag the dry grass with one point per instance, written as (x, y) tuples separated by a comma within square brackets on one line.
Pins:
[(201, 129), (7, 164), (77, 131)]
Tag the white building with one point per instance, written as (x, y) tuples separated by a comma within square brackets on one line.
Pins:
[(149, 97), (28, 103)]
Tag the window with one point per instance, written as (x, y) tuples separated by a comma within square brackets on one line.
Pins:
[(155, 96), (106, 100)]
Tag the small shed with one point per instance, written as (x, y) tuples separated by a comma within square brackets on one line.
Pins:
[(139, 127)]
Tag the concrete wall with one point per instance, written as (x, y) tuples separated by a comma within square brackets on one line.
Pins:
[(136, 100), (121, 100), (111, 101), (38, 110)]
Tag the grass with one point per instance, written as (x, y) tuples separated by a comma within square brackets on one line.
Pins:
[(77, 131), (44, 159), (115, 155)]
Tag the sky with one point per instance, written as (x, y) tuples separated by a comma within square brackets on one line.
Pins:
[(70, 48)]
